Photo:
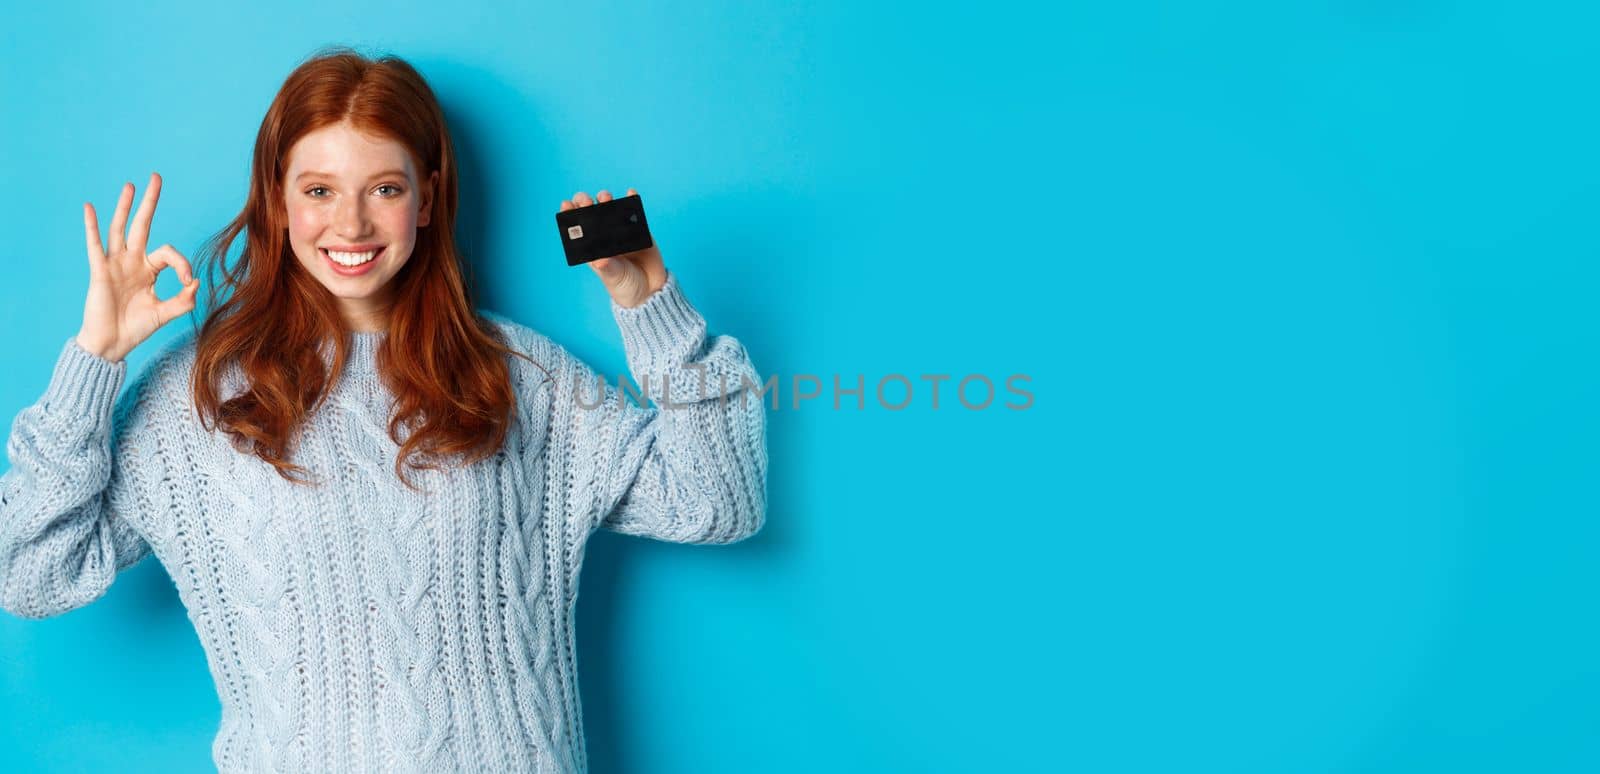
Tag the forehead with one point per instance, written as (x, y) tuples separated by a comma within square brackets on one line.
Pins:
[(339, 149)]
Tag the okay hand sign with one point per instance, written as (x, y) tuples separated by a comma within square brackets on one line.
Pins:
[(122, 309)]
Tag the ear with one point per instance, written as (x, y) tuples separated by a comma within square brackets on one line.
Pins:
[(425, 209)]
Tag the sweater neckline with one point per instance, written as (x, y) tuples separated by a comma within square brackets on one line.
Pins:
[(363, 355), (367, 342)]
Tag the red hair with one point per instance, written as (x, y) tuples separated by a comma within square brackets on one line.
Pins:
[(442, 359)]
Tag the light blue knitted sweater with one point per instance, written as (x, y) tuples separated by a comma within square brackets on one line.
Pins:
[(358, 625)]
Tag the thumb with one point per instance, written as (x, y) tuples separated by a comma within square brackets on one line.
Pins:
[(607, 268), (180, 304)]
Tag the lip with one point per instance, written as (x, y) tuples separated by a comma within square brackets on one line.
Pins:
[(353, 271)]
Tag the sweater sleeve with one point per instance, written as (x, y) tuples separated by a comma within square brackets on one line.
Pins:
[(692, 468), (65, 500)]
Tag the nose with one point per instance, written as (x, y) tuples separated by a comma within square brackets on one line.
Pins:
[(350, 219)]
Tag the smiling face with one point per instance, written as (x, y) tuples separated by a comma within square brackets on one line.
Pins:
[(354, 205)]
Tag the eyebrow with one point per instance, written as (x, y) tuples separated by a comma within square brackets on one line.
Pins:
[(385, 173)]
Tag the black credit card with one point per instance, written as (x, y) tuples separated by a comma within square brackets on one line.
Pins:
[(604, 229)]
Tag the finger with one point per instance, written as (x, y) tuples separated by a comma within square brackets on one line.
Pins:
[(566, 204), (603, 267), (91, 235), (604, 195), (167, 255), (178, 305), (119, 219), (632, 192), (147, 210), (582, 199)]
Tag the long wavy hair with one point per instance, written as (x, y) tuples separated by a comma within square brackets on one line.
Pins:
[(441, 358)]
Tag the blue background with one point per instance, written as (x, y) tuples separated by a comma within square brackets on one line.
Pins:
[(1305, 295)]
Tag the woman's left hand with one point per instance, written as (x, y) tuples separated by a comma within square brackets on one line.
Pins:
[(630, 278)]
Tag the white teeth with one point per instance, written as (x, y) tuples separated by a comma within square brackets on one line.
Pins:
[(352, 259)]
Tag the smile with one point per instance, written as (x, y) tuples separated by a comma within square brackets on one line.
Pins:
[(351, 264)]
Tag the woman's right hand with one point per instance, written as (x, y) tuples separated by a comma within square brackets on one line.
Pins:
[(122, 309)]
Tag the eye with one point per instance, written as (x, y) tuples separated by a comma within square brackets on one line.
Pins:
[(397, 189), (312, 192)]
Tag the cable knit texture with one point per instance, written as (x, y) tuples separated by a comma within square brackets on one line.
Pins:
[(358, 625)]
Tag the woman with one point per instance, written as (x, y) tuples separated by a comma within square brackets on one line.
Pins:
[(373, 499)]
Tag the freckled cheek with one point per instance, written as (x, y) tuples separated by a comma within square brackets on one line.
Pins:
[(305, 224), (397, 221)]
